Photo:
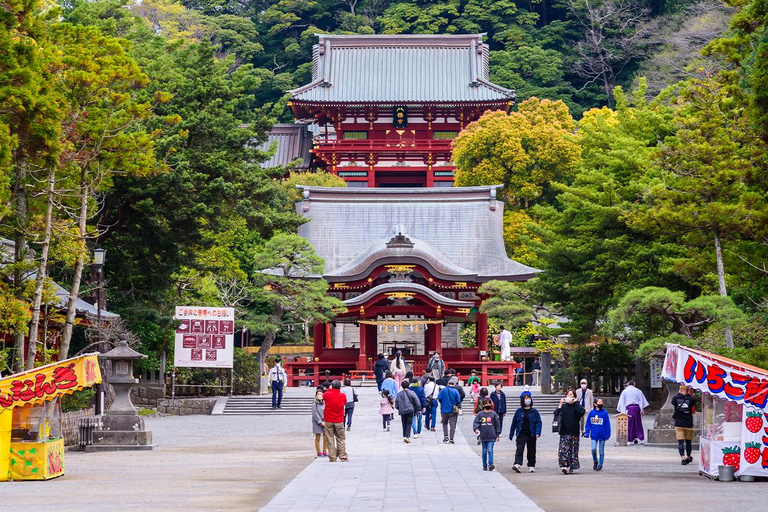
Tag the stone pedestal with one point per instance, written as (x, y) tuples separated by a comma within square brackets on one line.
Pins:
[(663, 431), (121, 432)]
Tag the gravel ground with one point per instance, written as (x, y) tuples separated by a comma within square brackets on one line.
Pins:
[(638, 477), (200, 463)]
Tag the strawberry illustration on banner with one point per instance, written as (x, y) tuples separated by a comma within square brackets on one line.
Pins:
[(731, 457), (754, 443)]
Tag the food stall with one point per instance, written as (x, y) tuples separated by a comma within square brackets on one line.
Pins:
[(734, 409), (31, 444)]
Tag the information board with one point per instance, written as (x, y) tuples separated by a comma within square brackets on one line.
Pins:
[(205, 337)]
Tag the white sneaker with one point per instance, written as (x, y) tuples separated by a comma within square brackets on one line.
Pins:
[(531, 470), (516, 468), (415, 436)]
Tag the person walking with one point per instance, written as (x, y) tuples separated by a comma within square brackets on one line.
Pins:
[(436, 366), (385, 409), (526, 425), (443, 381), (585, 398), (482, 394), (277, 378), (685, 405), (499, 400), (333, 416), (349, 407), (380, 369), (598, 429), (398, 369), (318, 424), (570, 412), (431, 390), (632, 402), (390, 385), (474, 385), (486, 426), (406, 403), (449, 409), (419, 413)]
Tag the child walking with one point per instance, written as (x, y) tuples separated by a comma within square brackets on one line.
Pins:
[(318, 425), (598, 428), (474, 382), (486, 426), (385, 409)]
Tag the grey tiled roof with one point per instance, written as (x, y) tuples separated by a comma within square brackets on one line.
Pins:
[(401, 68), (407, 287), (462, 225), (293, 141)]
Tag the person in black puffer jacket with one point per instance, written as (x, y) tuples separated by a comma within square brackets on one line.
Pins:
[(570, 412)]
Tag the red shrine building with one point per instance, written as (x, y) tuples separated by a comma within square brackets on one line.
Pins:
[(407, 263), (385, 109)]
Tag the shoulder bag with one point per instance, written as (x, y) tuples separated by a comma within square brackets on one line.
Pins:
[(556, 421)]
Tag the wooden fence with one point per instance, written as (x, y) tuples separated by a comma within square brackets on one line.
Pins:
[(70, 423)]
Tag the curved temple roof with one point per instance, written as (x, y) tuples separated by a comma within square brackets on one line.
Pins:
[(407, 287), (401, 68), (460, 227)]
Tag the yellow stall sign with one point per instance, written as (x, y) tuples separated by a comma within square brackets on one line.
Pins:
[(48, 382)]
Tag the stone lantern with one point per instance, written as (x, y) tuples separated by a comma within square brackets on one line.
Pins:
[(121, 428)]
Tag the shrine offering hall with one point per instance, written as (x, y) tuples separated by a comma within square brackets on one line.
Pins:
[(407, 263)]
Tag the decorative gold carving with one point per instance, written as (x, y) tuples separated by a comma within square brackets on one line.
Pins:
[(459, 284), (340, 285), (400, 295), (462, 311), (400, 269)]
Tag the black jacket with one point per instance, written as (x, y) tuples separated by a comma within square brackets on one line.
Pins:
[(380, 368), (683, 405), (570, 414)]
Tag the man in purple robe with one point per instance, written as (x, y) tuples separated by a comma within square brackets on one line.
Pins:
[(632, 402)]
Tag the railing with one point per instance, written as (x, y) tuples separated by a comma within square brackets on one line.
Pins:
[(381, 145), (70, 425)]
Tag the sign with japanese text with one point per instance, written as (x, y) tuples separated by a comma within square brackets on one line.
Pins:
[(716, 377), (205, 337), (656, 365), (48, 382)]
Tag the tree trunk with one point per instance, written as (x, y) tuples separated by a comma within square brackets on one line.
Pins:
[(42, 273), (721, 284), (66, 335), (20, 255)]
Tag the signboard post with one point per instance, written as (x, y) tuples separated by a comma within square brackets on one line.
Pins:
[(657, 364)]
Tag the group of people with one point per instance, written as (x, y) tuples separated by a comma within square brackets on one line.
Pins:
[(579, 414)]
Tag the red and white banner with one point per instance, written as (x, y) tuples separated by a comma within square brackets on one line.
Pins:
[(205, 337), (716, 376)]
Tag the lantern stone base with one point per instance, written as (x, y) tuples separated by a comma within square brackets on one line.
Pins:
[(663, 431), (662, 436), (121, 432)]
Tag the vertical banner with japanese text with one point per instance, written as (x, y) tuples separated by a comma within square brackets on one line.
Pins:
[(205, 337)]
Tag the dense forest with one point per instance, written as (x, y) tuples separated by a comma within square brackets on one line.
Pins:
[(634, 162)]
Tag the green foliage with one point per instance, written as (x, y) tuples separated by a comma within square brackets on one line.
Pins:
[(606, 360), (313, 179), (78, 400), (246, 372), (506, 302)]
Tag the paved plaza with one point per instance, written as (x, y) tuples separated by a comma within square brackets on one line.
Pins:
[(250, 463), (384, 473)]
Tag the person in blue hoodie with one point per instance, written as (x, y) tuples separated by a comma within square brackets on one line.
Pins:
[(526, 425), (449, 400), (598, 428)]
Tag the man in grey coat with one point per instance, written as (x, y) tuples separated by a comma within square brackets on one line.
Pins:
[(436, 366), (407, 404)]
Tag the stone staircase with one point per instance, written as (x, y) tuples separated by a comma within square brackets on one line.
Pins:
[(262, 405)]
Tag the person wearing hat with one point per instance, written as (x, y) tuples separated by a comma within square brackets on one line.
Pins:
[(685, 405), (586, 400), (450, 402)]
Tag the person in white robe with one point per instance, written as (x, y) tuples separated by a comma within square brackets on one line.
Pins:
[(505, 341), (632, 401)]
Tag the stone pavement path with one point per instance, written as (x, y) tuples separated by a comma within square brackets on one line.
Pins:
[(384, 473)]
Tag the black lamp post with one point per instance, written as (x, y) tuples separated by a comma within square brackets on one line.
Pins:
[(99, 255)]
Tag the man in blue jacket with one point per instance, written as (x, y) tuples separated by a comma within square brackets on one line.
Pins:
[(449, 399), (379, 369), (526, 425), (598, 428)]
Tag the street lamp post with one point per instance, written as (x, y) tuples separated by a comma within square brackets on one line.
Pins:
[(99, 255)]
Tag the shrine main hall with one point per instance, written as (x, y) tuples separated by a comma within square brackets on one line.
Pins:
[(407, 263)]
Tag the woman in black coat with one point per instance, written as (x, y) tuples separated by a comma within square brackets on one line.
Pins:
[(379, 369), (570, 412)]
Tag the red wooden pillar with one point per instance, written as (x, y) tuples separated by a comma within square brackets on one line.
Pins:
[(482, 331), (437, 337), (361, 361), (318, 335)]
